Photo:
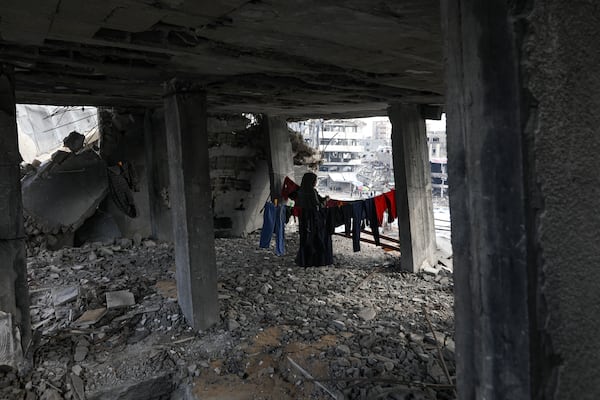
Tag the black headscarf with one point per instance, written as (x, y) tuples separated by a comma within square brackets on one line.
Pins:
[(307, 194)]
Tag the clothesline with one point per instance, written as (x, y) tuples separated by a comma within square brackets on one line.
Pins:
[(382, 202), (353, 215)]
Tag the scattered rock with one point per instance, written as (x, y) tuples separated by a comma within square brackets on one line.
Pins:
[(367, 314), (76, 369), (90, 317), (120, 298), (64, 295), (80, 353)]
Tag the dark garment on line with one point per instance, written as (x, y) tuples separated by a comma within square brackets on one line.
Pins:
[(335, 217), (358, 209), (280, 213), (372, 220), (347, 212)]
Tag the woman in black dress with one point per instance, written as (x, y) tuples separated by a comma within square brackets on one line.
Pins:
[(315, 240)]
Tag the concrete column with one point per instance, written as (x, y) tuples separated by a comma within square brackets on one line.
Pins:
[(485, 167), (14, 294), (191, 203), (523, 84), (157, 172), (412, 175), (281, 160)]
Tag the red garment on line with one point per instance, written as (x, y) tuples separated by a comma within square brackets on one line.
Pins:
[(391, 198), (380, 206), (289, 186)]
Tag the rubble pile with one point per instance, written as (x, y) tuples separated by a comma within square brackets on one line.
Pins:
[(107, 326)]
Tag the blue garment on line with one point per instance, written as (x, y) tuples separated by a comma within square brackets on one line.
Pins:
[(273, 221)]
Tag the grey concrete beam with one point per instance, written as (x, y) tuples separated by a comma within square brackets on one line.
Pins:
[(191, 203), (280, 156), (487, 201), (14, 294), (412, 175)]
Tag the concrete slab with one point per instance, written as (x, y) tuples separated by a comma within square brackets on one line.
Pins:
[(90, 317), (119, 298), (65, 191), (64, 295)]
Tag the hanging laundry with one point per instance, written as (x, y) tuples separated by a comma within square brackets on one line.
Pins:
[(380, 207), (273, 222), (358, 210), (268, 225), (391, 202), (347, 212), (288, 187), (280, 221), (371, 218)]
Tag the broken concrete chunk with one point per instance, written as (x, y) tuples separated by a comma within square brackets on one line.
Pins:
[(50, 394), (367, 314), (430, 270), (80, 353), (90, 317), (78, 387), (120, 298), (77, 369), (10, 342), (64, 295)]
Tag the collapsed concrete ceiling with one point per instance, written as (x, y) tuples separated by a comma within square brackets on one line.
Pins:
[(299, 58)]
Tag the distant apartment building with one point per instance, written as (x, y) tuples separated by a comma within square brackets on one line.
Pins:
[(382, 130), (436, 141), (348, 145)]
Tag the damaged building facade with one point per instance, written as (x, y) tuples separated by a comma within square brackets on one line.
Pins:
[(517, 79)]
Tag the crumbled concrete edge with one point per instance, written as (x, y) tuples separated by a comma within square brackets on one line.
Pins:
[(11, 353)]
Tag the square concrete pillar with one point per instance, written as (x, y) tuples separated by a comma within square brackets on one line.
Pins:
[(412, 175), (15, 331), (487, 197), (280, 156), (157, 172), (191, 203)]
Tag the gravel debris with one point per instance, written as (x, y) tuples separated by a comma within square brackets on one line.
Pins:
[(356, 327)]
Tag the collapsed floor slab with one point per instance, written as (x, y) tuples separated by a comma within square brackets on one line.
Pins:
[(65, 191)]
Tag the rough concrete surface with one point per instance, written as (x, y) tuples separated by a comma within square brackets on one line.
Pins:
[(560, 64), (309, 57)]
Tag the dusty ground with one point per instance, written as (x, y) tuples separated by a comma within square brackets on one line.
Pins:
[(355, 330)]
